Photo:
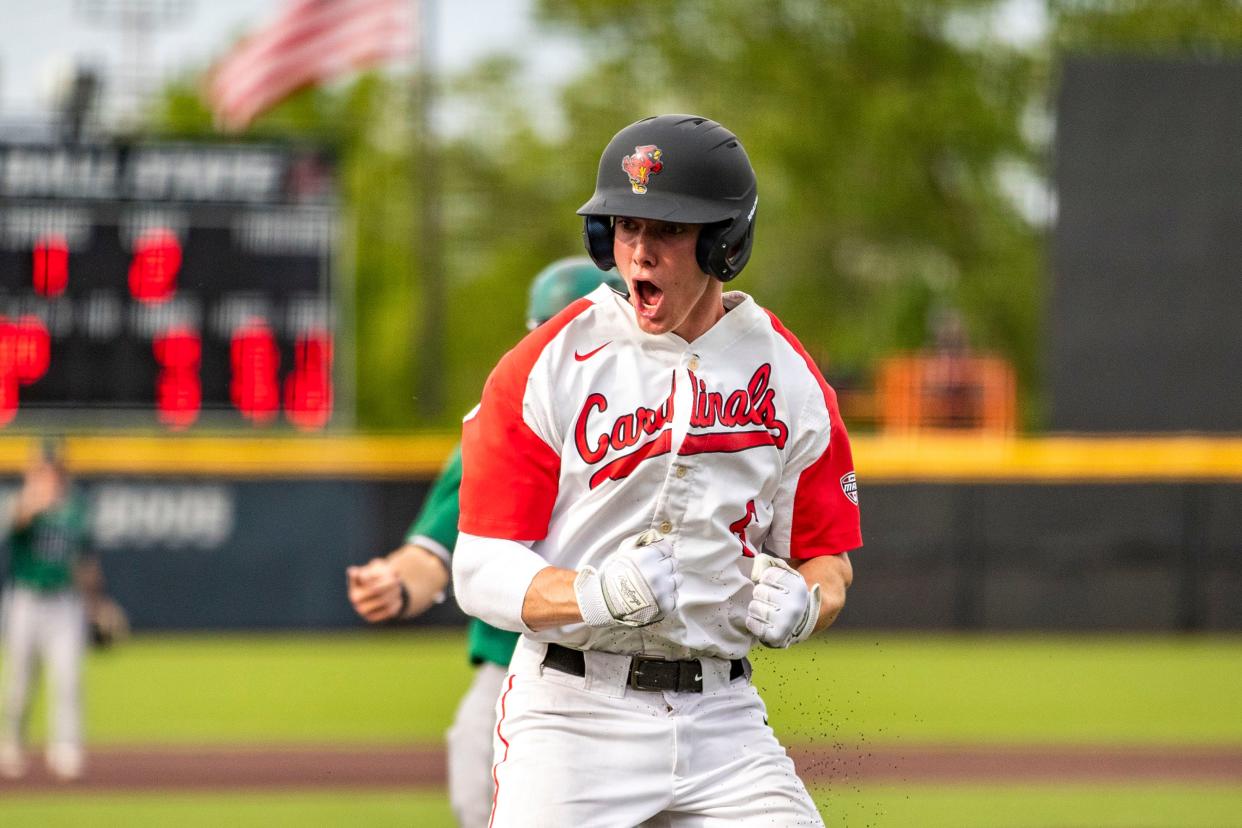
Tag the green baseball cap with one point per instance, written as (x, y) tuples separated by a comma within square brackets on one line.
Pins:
[(563, 281)]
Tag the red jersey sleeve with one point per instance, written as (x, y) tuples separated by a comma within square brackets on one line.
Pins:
[(510, 474), (825, 507), (822, 514)]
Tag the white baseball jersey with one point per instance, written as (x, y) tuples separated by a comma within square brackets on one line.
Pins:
[(591, 431)]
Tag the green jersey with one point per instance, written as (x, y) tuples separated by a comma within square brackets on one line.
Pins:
[(436, 528), (43, 553)]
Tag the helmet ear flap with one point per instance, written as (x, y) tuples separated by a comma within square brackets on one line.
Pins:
[(724, 247), (597, 236)]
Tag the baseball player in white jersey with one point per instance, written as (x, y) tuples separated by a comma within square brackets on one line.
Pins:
[(652, 484)]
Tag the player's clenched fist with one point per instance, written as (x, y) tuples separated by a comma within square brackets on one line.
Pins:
[(635, 586), (375, 590), (783, 610)]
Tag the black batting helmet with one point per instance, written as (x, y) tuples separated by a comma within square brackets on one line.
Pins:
[(681, 168)]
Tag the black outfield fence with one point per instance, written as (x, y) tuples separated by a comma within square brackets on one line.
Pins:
[(960, 533), (1063, 556)]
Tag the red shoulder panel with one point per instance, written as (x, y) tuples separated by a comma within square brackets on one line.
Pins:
[(510, 476), (825, 511)]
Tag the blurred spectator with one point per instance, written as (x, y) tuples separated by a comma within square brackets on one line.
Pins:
[(949, 377), (947, 385)]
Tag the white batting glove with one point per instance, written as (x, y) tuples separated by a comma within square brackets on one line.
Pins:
[(635, 586), (783, 610)]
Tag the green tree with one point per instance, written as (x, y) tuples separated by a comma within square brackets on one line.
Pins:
[(876, 129), (877, 132), (1200, 28), (880, 130)]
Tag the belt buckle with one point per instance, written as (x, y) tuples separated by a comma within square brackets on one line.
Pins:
[(636, 673), (679, 676)]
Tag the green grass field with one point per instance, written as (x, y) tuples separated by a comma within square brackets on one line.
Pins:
[(400, 687), (1069, 806)]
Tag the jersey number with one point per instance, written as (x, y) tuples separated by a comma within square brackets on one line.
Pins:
[(738, 527)]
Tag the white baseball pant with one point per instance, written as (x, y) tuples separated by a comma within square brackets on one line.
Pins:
[(590, 752)]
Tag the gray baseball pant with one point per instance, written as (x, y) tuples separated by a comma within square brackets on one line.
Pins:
[(470, 748)]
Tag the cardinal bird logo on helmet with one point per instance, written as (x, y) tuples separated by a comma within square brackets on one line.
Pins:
[(644, 163)]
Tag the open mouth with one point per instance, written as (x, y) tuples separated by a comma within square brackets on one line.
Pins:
[(647, 298)]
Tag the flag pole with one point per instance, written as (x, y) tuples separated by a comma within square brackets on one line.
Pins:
[(425, 186)]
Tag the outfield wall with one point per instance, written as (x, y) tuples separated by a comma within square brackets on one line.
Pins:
[(1059, 533)]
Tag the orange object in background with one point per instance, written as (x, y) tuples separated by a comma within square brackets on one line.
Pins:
[(947, 391)]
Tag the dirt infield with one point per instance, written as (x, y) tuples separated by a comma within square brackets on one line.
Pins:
[(222, 768)]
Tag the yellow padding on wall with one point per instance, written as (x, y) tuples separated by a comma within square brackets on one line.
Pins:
[(876, 458), (355, 456), (1049, 459)]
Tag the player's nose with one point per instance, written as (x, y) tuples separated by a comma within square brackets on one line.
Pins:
[(645, 249)]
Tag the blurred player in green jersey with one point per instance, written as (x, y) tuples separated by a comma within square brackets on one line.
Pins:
[(51, 578), (412, 578)]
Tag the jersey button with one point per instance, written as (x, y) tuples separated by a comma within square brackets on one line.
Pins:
[(666, 527), (681, 472), (694, 363)]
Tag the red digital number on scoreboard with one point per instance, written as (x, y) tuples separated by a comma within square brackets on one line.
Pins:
[(153, 270), (255, 384), (178, 389), (25, 352), (255, 387), (51, 266), (308, 389)]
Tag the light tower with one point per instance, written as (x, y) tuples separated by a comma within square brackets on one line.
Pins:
[(137, 21)]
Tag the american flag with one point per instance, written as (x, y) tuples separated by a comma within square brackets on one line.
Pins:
[(309, 42)]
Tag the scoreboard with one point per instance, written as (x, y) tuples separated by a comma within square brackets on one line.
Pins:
[(167, 285)]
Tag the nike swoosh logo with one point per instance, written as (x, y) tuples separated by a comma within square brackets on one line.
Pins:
[(589, 354), (698, 677)]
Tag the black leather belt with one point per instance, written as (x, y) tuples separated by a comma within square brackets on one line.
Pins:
[(646, 672)]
